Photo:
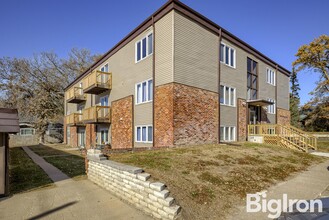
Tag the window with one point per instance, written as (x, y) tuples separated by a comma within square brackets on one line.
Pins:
[(252, 79), (227, 96), (105, 68), (144, 47), (270, 76), (227, 55), (104, 136), (144, 91), (271, 108), (227, 133), (144, 134), (27, 131), (104, 101)]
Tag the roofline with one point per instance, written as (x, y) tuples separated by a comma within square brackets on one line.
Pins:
[(194, 15)]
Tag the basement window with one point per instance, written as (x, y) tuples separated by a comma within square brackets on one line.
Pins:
[(144, 134), (227, 133)]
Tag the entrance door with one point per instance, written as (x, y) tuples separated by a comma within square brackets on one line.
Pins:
[(254, 113)]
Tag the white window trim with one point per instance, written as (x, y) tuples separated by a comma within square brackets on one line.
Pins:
[(229, 56), (268, 80), (141, 134), (100, 100), (233, 137), (147, 47), (274, 107), (100, 135), (108, 66), (224, 95), (147, 92)]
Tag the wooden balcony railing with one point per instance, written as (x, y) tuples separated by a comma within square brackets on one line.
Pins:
[(97, 82), (74, 119), (286, 136), (96, 115), (76, 95)]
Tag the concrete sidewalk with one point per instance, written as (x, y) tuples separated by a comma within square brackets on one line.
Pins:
[(307, 185), (69, 199), (54, 173)]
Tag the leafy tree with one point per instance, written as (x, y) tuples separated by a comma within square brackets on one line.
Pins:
[(35, 86), (294, 99), (315, 56)]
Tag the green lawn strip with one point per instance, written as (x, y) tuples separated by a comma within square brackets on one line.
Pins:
[(323, 146), (69, 163), (24, 174), (73, 166)]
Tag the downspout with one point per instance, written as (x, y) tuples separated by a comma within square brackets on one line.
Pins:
[(276, 94), (153, 85), (219, 64)]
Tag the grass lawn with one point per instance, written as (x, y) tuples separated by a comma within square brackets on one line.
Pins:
[(208, 181), (323, 146), (24, 174), (68, 161)]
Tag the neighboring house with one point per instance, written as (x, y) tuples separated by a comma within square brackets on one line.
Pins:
[(8, 125), (177, 79), (26, 129)]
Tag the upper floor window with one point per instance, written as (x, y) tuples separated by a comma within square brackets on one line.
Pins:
[(227, 55), (105, 68), (104, 101), (144, 91), (144, 134), (144, 47), (227, 95), (271, 108), (270, 76), (252, 81)]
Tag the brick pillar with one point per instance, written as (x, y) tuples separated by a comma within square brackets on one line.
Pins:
[(242, 120), (122, 123), (64, 132), (90, 135), (164, 116), (283, 116), (74, 136)]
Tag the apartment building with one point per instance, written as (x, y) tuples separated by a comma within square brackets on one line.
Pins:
[(177, 79)]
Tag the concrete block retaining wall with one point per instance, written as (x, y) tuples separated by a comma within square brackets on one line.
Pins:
[(131, 184)]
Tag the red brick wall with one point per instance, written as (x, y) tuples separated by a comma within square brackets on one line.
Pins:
[(283, 116), (164, 116), (64, 132), (195, 115), (74, 136), (122, 123), (90, 135), (242, 120)]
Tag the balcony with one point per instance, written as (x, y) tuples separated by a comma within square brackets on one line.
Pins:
[(74, 119), (97, 115), (97, 82), (75, 95)]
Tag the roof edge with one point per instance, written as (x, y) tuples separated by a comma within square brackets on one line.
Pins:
[(188, 11)]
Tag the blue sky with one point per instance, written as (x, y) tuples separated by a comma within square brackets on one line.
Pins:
[(277, 28)]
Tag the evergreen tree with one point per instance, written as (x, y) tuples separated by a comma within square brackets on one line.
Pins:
[(294, 99)]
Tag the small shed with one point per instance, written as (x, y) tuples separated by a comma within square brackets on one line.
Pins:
[(8, 125)]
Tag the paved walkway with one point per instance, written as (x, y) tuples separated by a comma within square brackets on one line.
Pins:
[(55, 174), (307, 185), (69, 199)]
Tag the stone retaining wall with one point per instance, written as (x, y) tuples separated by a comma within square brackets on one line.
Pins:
[(131, 184)]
